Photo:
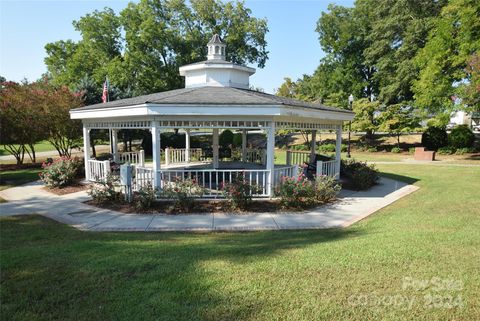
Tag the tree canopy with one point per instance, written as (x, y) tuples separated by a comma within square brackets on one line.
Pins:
[(424, 54), (141, 48)]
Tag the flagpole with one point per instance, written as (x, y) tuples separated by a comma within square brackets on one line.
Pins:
[(108, 91)]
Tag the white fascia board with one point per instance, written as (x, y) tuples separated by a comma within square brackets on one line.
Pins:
[(210, 110), (204, 66), (110, 112)]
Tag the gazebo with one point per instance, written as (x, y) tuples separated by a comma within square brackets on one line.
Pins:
[(216, 97)]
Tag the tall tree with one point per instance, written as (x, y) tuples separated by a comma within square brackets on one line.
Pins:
[(399, 29), (444, 61), (141, 48)]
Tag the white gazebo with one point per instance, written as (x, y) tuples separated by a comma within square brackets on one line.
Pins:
[(216, 97)]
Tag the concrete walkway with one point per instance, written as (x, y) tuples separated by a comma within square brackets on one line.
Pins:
[(70, 209)]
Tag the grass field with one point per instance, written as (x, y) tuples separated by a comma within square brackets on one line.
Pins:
[(50, 271), (43, 146), (17, 177)]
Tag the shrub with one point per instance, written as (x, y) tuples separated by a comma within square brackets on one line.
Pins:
[(331, 148), (411, 150), (183, 192), (299, 192), (372, 149), (239, 192), (237, 140), (145, 197), (461, 137), (327, 148), (60, 172), (326, 189), (359, 175), (296, 192), (447, 150), (226, 138), (434, 138), (105, 191), (300, 147), (464, 150), (396, 150)]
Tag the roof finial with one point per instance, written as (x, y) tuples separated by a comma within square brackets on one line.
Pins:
[(216, 48)]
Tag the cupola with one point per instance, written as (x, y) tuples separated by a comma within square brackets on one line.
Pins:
[(216, 48), (216, 71)]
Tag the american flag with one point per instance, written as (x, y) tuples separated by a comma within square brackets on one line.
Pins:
[(105, 91)]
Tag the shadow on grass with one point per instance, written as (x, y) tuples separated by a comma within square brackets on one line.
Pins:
[(401, 178), (52, 271)]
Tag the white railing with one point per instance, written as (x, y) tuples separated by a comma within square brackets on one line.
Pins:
[(179, 155), (143, 178), (256, 156), (278, 173), (328, 168), (213, 180), (134, 158), (97, 170), (297, 157)]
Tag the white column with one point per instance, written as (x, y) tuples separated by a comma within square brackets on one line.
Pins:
[(86, 150), (115, 145), (270, 157), (313, 146), (187, 145), (244, 145), (215, 147), (156, 154), (338, 151)]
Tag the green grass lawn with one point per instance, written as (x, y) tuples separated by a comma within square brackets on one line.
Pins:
[(43, 146), (17, 177), (50, 271)]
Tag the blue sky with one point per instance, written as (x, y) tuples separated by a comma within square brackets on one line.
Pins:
[(26, 26)]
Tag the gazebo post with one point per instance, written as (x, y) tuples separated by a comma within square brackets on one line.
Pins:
[(270, 157), (86, 150), (313, 146), (156, 154), (187, 145), (114, 138), (215, 148), (338, 151), (244, 145)]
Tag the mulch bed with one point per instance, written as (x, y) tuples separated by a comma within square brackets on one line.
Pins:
[(200, 207), (77, 187)]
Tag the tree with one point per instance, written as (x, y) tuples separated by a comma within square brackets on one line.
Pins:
[(287, 89), (365, 116), (398, 31), (142, 47), (23, 121), (398, 119), (444, 61)]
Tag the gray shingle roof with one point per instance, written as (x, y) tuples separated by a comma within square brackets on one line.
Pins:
[(215, 39), (211, 96)]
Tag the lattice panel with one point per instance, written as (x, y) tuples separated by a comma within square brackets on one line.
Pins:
[(302, 126)]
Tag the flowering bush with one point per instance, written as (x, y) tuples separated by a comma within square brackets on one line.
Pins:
[(326, 189), (183, 192), (296, 192), (145, 197), (300, 192), (105, 191), (239, 192), (61, 172), (359, 175)]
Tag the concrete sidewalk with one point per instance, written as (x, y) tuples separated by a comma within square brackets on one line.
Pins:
[(70, 209)]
